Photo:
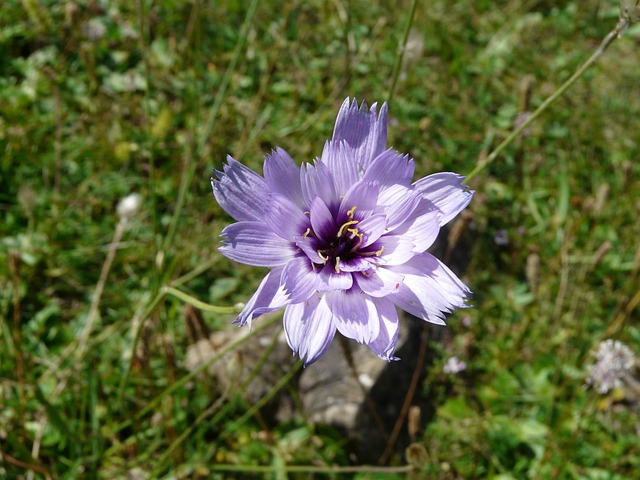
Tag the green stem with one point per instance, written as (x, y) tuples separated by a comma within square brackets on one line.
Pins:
[(197, 303), (606, 42), (329, 469), (136, 338), (402, 47), (242, 36), (142, 44), (264, 324), (185, 183), (190, 165), (233, 426)]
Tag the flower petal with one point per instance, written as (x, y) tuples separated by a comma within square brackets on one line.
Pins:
[(429, 289), (299, 279), (363, 130), (339, 158), (322, 221), (285, 218), (422, 227), (390, 168), (398, 202), (317, 181), (355, 314), (269, 296), (310, 246), (309, 328), (372, 227), (240, 191), (446, 192), (254, 243), (379, 282), (363, 196), (385, 343), (333, 280), (355, 264), (283, 176), (393, 249)]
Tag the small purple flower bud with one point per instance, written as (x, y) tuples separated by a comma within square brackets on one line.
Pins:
[(501, 238)]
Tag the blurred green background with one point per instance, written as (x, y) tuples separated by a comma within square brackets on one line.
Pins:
[(99, 99)]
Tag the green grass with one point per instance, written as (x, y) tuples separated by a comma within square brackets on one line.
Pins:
[(101, 99)]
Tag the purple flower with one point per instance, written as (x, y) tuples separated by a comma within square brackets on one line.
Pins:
[(345, 237)]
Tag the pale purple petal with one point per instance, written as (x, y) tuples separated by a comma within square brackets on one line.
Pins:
[(339, 158), (310, 246), (385, 343), (430, 289), (317, 181), (299, 279), (309, 328), (390, 168), (447, 193), (240, 191), (269, 296), (283, 176), (254, 243), (398, 202), (379, 282), (333, 280), (422, 227), (356, 264), (322, 221), (355, 315), (363, 130), (285, 218), (393, 249), (363, 196), (372, 228)]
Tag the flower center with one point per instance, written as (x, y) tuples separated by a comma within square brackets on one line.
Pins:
[(346, 243)]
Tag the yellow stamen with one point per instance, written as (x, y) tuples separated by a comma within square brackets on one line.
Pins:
[(323, 257), (345, 227), (306, 234), (351, 212), (355, 233), (371, 254), (337, 264)]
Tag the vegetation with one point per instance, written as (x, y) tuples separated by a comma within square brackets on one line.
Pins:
[(99, 99)]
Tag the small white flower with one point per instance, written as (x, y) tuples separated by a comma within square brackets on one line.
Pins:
[(129, 206), (613, 359), (454, 365), (94, 29)]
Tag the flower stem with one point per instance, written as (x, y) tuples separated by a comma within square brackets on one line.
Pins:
[(153, 403), (617, 32), (401, 49), (197, 303), (243, 35), (320, 469)]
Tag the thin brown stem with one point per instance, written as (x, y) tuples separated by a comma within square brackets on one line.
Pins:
[(397, 427), (14, 265)]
